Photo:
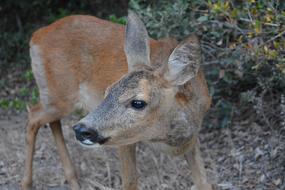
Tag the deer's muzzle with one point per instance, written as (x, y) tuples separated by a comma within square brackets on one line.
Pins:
[(88, 136)]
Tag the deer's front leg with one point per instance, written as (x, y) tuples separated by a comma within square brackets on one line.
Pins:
[(194, 160), (127, 155)]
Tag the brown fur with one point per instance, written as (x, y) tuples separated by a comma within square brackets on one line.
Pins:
[(181, 99), (93, 37)]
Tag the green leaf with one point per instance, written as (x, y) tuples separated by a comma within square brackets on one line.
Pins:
[(120, 20), (203, 18)]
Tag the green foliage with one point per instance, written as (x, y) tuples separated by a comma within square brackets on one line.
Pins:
[(34, 96), (29, 92), (24, 91), (242, 41), (243, 46), (60, 14), (16, 104), (164, 18), (120, 20), (28, 75), (20, 18)]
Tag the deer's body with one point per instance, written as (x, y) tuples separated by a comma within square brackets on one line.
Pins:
[(75, 59), (85, 51)]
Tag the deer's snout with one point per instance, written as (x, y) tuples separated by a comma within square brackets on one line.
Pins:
[(88, 136)]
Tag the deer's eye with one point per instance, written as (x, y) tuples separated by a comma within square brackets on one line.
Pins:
[(138, 104)]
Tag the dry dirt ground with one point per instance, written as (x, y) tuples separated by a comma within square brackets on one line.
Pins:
[(244, 156)]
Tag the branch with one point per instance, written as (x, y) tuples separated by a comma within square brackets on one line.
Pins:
[(272, 39)]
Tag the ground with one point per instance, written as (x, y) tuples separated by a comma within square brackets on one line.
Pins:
[(242, 157)]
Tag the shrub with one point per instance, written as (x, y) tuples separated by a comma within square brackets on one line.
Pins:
[(243, 47)]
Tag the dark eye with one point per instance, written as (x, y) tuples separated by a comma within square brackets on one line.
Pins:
[(138, 104)]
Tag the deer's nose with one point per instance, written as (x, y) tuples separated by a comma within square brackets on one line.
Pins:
[(87, 136)]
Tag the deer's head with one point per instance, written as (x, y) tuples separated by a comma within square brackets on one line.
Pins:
[(146, 103)]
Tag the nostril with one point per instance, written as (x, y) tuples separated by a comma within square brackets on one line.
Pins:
[(78, 127), (87, 135)]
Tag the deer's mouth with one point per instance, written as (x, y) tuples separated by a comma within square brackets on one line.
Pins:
[(88, 143), (91, 141)]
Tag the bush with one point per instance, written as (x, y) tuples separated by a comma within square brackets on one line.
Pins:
[(243, 46)]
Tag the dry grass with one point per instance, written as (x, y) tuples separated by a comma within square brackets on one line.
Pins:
[(246, 157)]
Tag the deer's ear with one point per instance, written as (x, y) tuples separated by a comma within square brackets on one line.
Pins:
[(184, 61), (136, 42)]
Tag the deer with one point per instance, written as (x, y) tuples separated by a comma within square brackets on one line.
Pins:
[(134, 89)]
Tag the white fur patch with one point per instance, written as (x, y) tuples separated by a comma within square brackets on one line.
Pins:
[(39, 73), (182, 116), (91, 145), (88, 99)]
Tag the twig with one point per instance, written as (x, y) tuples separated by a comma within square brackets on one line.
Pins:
[(245, 20), (229, 25), (272, 39), (156, 168), (265, 23), (19, 23), (99, 185), (271, 24), (249, 15), (108, 169)]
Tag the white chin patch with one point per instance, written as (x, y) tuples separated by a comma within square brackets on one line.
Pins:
[(89, 144)]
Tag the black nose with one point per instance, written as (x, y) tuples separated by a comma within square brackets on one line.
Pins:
[(87, 136)]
